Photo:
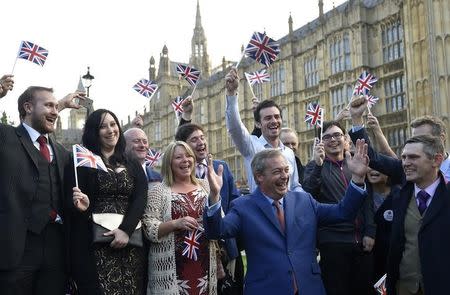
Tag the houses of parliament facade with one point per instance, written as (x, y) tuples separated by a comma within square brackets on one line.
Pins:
[(405, 43)]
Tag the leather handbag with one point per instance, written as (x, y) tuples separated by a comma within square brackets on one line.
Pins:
[(105, 222)]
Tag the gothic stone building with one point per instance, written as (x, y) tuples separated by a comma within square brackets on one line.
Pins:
[(405, 43)]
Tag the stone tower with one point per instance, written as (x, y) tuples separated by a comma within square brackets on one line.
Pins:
[(77, 117), (427, 50), (199, 56)]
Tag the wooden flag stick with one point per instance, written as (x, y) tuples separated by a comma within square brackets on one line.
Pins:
[(242, 57), (321, 123), (250, 85), (75, 163)]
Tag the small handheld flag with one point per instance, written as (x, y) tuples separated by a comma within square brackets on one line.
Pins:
[(85, 158), (371, 100), (33, 53), (258, 77), (152, 158), (82, 157), (314, 114), (177, 105), (365, 83), (191, 240), (189, 73), (146, 87), (262, 48)]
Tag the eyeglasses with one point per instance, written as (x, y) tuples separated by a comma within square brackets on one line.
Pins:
[(328, 137)]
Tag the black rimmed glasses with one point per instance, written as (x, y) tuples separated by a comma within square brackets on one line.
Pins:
[(336, 136)]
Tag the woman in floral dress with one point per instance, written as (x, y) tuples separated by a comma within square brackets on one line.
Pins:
[(181, 259)]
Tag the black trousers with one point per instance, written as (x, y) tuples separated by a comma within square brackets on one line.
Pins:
[(346, 269), (42, 269)]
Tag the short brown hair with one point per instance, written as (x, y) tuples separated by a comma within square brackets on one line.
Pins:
[(432, 145), (437, 126), (28, 96)]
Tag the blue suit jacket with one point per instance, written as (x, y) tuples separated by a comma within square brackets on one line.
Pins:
[(152, 175), (228, 193), (273, 256)]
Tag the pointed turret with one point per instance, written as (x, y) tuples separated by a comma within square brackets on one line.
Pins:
[(321, 8), (164, 62), (152, 69), (199, 56)]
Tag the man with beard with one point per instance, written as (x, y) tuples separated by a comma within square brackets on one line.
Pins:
[(194, 136), (32, 207), (345, 257), (268, 118), (137, 147)]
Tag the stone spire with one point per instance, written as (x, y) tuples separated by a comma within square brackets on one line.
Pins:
[(321, 8), (290, 24), (164, 62), (199, 52), (152, 69)]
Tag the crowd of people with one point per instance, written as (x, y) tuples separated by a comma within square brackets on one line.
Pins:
[(335, 226)]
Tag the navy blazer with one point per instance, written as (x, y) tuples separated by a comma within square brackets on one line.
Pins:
[(273, 256), (434, 240), (228, 193), (389, 166), (152, 175)]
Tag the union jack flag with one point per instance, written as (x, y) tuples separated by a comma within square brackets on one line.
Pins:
[(372, 100), (146, 87), (189, 73), (152, 157), (365, 83), (85, 158), (258, 77), (262, 48), (192, 244), (380, 286), (177, 106), (33, 53), (314, 114)]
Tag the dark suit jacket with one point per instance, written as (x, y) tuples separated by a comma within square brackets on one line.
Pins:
[(434, 240), (18, 186), (272, 256), (387, 165)]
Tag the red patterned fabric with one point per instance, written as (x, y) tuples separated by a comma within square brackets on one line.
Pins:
[(192, 274)]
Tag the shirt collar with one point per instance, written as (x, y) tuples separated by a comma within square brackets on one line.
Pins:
[(33, 133), (266, 144), (431, 189), (445, 165), (203, 162), (270, 200)]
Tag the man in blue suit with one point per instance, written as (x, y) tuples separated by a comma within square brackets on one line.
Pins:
[(278, 227), (194, 136)]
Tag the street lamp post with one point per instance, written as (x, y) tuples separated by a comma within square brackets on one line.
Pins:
[(87, 81)]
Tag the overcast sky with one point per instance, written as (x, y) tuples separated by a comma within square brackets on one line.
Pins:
[(117, 38)]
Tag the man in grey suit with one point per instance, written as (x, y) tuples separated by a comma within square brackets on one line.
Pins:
[(32, 208)]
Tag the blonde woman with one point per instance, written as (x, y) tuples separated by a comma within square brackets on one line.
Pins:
[(181, 259)]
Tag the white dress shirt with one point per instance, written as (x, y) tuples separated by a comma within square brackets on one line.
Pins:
[(248, 145)]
